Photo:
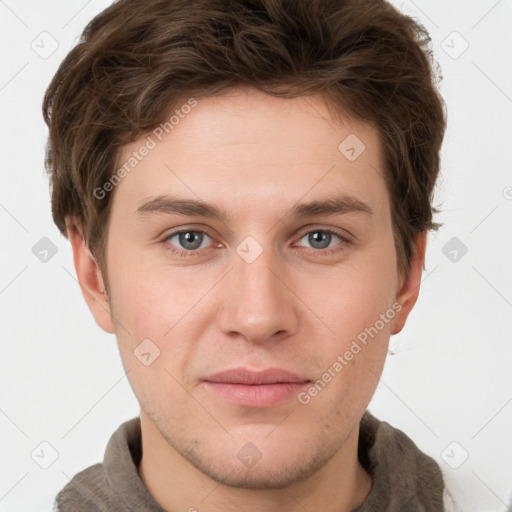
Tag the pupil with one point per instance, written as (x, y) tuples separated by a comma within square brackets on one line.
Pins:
[(189, 240), (320, 237)]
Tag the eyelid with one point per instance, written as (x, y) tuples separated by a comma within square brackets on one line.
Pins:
[(342, 233), (344, 236), (342, 245), (178, 230), (193, 229)]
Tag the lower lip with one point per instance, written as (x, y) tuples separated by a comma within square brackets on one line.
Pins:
[(261, 395)]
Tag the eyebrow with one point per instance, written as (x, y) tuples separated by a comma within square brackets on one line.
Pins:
[(338, 205)]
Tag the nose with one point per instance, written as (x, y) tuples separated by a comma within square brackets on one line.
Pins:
[(258, 302)]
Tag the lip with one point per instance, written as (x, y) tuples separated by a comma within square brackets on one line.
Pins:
[(248, 388)]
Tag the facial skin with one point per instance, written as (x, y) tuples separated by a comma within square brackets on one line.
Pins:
[(297, 306)]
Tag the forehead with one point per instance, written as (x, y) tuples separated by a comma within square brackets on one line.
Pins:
[(247, 144)]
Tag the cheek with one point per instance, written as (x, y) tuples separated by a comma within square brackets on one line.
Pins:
[(175, 307), (356, 304), (351, 298), (153, 296), (155, 338), (160, 312), (352, 359)]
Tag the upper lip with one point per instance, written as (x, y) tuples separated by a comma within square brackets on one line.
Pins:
[(246, 376)]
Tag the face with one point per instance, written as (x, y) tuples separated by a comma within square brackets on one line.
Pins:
[(253, 284)]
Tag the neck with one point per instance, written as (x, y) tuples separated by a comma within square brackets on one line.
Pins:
[(341, 485)]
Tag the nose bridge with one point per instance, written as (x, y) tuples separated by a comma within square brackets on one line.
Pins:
[(259, 304)]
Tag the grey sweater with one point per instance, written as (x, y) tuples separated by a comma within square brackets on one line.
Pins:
[(403, 478)]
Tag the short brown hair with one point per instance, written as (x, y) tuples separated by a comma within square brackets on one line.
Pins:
[(137, 59)]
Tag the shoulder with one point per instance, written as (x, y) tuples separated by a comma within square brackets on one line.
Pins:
[(86, 491), (403, 477), (391, 447), (108, 486)]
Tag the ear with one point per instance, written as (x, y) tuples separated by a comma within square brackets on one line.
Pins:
[(90, 278), (410, 289)]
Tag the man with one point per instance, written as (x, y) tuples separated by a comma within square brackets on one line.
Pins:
[(247, 187)]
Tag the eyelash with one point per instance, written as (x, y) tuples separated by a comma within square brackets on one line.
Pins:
[(193, 253)]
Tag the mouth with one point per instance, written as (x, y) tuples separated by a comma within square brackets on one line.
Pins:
[(247, 388)]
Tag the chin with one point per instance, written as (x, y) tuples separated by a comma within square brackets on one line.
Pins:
[(273, 469), (261, 478)]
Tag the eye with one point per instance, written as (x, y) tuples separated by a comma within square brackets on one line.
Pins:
[(321, 239), (189, 240)]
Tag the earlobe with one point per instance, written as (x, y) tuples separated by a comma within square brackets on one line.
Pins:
[(410, 288), (90, 279)]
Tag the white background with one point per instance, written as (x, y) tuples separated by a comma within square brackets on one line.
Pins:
[(450, 379)]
